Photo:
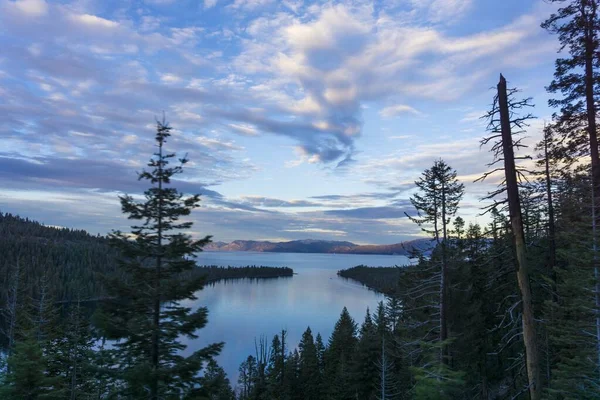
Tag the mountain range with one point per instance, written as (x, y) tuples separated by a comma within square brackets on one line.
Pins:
[(320, 246)]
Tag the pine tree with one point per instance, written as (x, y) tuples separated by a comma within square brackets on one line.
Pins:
[(292, 390), (309, 376), (338, 357), (27, 378), (574, 372), (577, 78), (275, 369), (365, 359), (13, 302), (320, 348), (77, 354), (247, 378), (144, 308), (215, 384), (437, 202)]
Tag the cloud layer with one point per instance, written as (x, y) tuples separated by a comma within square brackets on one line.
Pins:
[(252, 87)]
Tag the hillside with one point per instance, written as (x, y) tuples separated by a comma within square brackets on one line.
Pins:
[(320, 246), (71, 262)]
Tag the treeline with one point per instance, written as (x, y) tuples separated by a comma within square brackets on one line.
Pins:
[(381, 279), (66, 266), (68, 261), (355, 363), (452, 326), (213, 273)]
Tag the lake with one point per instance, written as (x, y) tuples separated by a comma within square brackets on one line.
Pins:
[(242, 310)]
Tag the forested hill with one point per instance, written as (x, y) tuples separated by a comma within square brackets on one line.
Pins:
[(69, 264), (66, 261), (320, 246)]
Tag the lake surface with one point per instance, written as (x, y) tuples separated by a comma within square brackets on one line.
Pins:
[(242, 310)]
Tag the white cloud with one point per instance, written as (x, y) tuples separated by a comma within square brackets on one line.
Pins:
[(398, 109), (244, 129), (401, 137), (94, 21), (213, 143), (447, 11), (250, 4), (170, 78), (160, 2), (33, 8), (35, 49), (333, 232), (209, 4)]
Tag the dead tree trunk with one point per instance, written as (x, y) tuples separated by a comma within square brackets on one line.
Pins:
[(590, 100), (528, 320)]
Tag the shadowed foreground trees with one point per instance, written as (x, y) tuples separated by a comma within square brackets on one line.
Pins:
[(144, 310)]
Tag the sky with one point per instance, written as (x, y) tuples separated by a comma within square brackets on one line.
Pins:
[(300, 119)]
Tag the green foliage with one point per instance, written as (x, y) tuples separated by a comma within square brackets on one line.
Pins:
[(381, 279), (366, 356), (144, 309), (309, 374), (215, 384), (27, 377)]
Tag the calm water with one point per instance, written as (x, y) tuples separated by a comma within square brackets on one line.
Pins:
[(242, 310)]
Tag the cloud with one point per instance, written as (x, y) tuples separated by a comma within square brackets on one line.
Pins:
[(385, 212), (319, 230), (443, 11), (243, 129), (268, 202), (94, 21), (324, 67), (393, 111), (82, 82), (249, 4), (209, 4), (73, 174), (33, 8), (401, 137)]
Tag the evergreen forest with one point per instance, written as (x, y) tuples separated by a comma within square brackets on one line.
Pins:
[(506, 309)]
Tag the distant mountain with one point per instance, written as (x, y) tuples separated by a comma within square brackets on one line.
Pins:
[(319, 246)]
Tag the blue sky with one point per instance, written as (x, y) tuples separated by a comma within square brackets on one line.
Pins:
[(301, 119)]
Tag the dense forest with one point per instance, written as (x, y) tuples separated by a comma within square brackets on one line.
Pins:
[(71, 263), (381, 279), (505, 310)]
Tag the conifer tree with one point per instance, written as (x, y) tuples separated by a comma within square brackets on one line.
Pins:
[(320, 348), (275, 369), (247, 378), (77, 353), (436, 203), (292, 390), (215, 384), (144, 309), (309, 376), (338, 357), (27, 377), (366, 357), (577, 79)]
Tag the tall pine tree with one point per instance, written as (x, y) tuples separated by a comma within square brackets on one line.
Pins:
[(144, 309)]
